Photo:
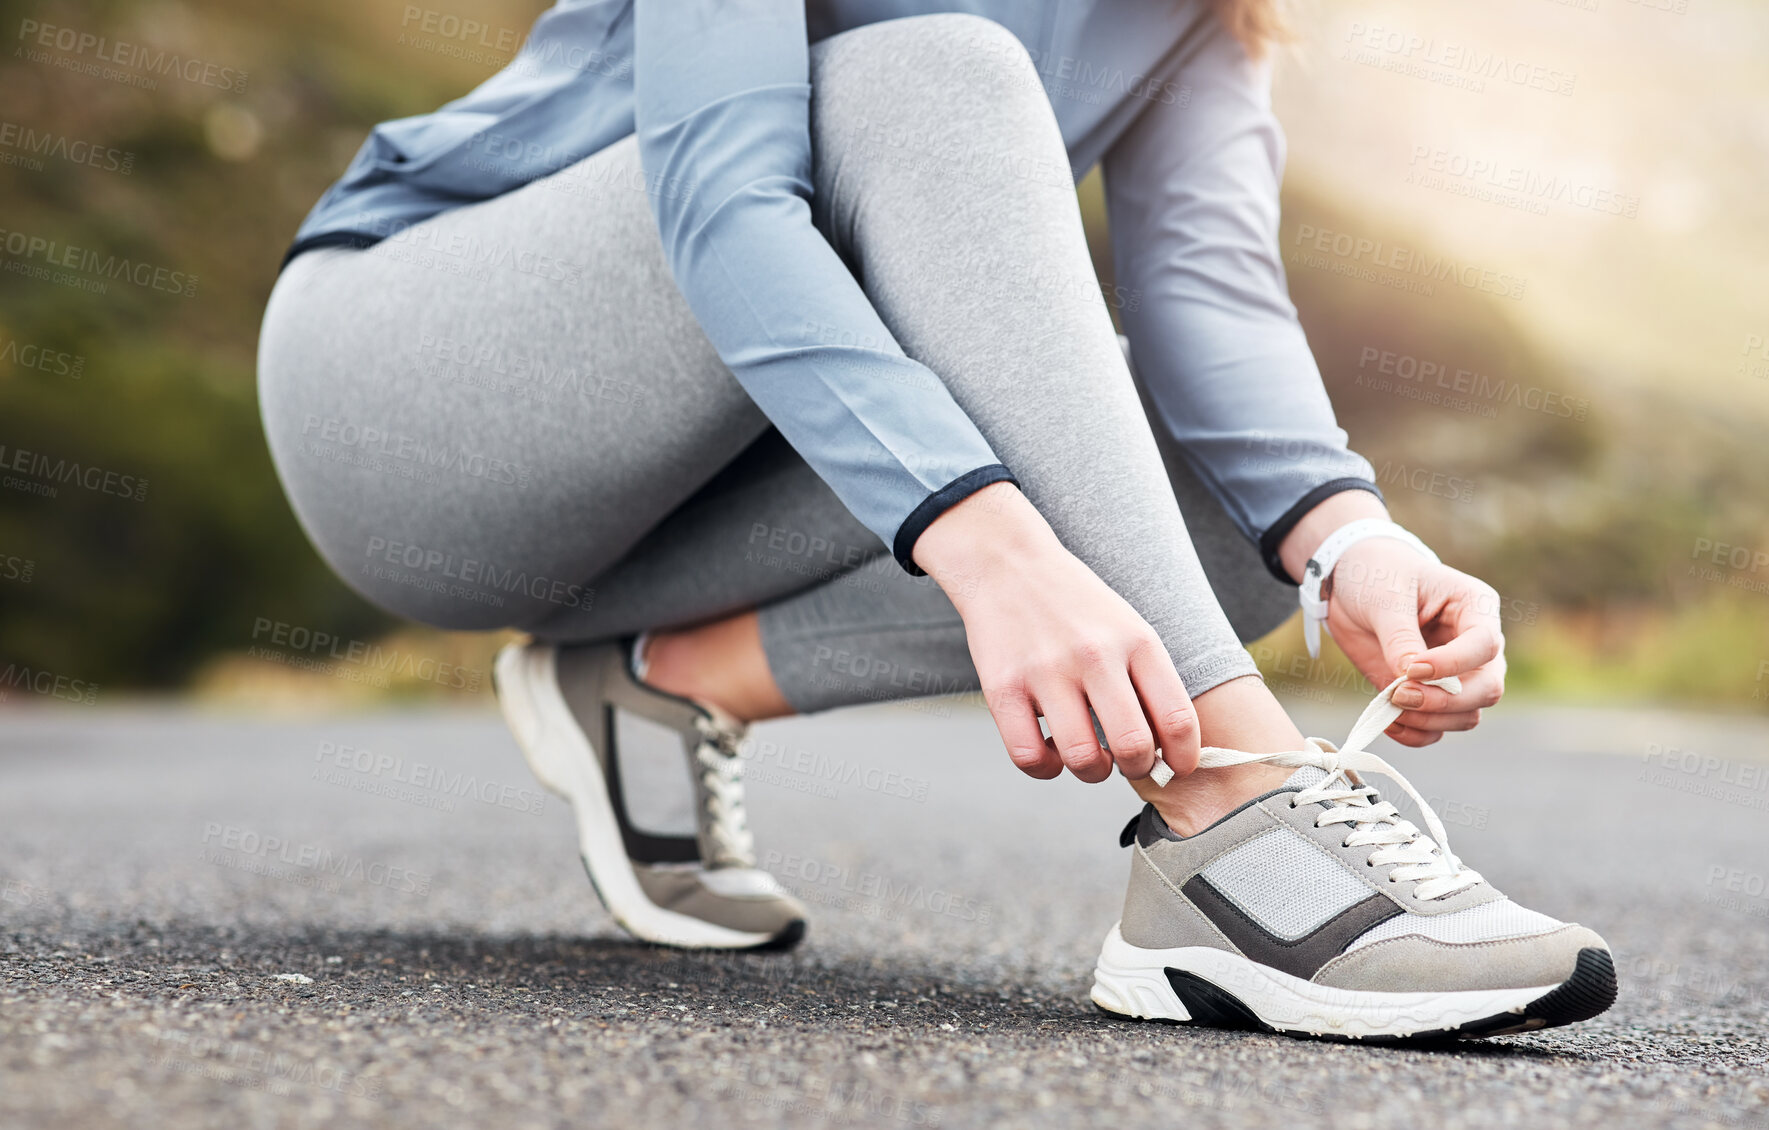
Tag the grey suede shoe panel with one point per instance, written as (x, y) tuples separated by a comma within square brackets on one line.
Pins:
[(1333, 836), (682, 891), (595, 677), (1415, 964), (593, 674), (1157, 917)]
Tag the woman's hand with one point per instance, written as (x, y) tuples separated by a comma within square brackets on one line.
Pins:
[(1050, 638), (1393, 612)]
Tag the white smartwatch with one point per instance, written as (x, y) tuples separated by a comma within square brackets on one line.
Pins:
[(1315, 587)]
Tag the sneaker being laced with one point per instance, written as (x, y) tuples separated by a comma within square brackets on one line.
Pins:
[(1316, 909)]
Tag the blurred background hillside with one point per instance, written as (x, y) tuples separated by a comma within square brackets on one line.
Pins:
[(1590, 440)]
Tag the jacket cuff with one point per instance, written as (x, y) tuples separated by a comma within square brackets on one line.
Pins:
[(1279, 530), (937, 504)]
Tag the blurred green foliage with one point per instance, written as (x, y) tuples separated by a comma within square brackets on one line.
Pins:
[(1586, 524)]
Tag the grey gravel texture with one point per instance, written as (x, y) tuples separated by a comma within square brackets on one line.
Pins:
[(406, 955)]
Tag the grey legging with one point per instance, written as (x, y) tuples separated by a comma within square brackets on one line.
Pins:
[(507, 417)]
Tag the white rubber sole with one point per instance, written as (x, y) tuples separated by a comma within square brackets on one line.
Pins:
[(1133, 982), (560, 756)]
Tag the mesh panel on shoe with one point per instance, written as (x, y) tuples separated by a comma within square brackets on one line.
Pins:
[(1488, 922), (1306, 777), (1285, 883)]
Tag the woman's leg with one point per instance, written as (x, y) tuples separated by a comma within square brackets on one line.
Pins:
[(477, 416), (473, 425), (940, 178)]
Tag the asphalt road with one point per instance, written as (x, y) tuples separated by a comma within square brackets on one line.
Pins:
[(174, 952)]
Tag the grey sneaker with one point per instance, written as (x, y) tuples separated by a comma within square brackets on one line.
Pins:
[(1316, 910), (697, 892)]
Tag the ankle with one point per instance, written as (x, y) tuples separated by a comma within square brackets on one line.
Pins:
[(1194, 803), (1239, 714), (672, 662), (719, 665)]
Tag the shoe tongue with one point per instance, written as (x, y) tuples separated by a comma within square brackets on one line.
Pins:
[(1306, 777)]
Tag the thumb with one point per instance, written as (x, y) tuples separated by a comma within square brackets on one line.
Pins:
[(1397, 629)]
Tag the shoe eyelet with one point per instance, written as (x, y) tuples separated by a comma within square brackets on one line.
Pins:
[(1292, 802), (1369, 863), (1345, 843)]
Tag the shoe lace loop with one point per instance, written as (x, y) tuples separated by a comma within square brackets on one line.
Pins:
[(1416, 855), (718, 766)]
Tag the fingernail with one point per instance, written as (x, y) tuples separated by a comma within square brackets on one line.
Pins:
[(1419, 670), (1409, 696)]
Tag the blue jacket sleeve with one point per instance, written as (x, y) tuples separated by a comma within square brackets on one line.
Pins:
[(722, 103), (1192, 193)]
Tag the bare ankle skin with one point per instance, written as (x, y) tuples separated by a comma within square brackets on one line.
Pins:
[(720, 664), (1239, 714)]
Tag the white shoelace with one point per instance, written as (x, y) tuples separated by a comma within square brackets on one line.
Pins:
[(719, 764), (1428, 859)]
